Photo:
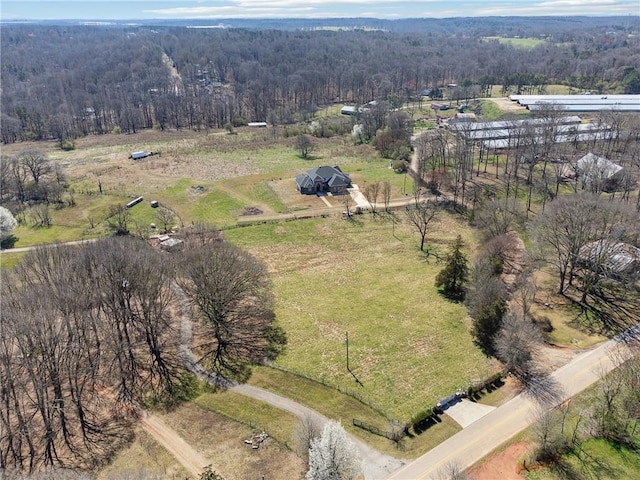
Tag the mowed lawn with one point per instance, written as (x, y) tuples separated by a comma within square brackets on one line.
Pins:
[(408, 346)]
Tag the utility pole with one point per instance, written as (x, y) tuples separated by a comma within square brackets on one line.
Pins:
[(346, 341)]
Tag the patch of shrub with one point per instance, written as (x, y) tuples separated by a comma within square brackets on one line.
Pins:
[(239, 121), (67, 145), (400, 166), (544, 323)]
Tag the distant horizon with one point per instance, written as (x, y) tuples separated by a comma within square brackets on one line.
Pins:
[(212, 10)]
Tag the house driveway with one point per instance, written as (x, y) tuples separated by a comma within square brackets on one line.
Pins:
[(465, 412), (358, 197)]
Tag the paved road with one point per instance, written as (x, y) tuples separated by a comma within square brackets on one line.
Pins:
[(482, 437)]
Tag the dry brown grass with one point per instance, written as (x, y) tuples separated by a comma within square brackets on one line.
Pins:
[(144, 454), (222, 441)]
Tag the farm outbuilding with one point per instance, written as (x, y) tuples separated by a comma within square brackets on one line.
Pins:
[(140, 155), (611, 258), (599, 172), (507, 134), (580, 103), (502, 125)]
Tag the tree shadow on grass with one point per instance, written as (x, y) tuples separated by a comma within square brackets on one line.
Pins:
[(8, 242), (309, 157)]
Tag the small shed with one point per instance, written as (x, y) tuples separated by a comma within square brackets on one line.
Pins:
[(440, 106), (172, 244), (465, 117), (135, 202), (599, 173), (140, 155), (349, 110)]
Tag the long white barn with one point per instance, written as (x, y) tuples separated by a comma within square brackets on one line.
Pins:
[(580, 103)]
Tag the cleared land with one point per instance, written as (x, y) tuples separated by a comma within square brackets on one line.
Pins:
[(407, 345), (517, 41)]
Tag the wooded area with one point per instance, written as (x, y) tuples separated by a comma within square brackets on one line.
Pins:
[(84, 326), (62, 82)]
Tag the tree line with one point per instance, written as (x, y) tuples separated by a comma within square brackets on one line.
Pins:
[(62, 82)]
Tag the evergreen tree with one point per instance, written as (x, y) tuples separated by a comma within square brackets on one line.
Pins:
[(453, 277), (486, 325)]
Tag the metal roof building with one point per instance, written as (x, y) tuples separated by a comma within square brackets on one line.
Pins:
[(580, 103), (502, 143), (593, 107), (499, 125)]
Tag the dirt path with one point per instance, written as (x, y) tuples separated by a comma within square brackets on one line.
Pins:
[(507, 105), (176, 79), (190, 459)]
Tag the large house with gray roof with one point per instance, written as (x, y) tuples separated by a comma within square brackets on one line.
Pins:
[(323, 179)]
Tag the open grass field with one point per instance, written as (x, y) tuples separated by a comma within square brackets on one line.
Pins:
[(407, 345), (202, 177), (518, 42)]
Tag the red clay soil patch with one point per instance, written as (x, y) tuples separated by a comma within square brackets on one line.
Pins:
[(504, 465)]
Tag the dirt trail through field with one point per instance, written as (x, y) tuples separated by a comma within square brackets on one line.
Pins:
[(189, 458)]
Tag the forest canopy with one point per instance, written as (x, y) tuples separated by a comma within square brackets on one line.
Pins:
[(65, 81)]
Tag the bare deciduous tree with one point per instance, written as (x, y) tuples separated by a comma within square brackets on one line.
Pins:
[(371, 193), (420, 214), (81, 323), (232, 294), (306, 431), (36, 163), (304, 145), (452, 471)]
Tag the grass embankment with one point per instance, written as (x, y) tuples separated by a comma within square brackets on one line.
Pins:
[(346, 408), (10, 260), (597, 459)]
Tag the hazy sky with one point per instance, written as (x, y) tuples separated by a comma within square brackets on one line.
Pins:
[(215, 9)]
